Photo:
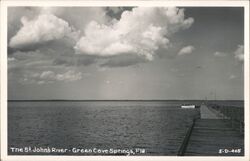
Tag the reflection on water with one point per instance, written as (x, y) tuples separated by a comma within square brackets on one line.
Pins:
[(157, 127)]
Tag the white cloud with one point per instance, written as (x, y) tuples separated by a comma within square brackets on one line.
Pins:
[(239, 53), (141, 32), (46, 77), (44, 28), (69, 76), (186, 50), (134, 38), (75, 16), (220, 54), (11, 59)]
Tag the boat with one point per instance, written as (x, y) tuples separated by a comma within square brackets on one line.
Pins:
[(188, 106)]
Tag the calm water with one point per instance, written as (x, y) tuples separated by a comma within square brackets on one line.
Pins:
[(157, 127)]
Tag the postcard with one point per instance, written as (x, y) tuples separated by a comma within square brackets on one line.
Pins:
[(124, 80)]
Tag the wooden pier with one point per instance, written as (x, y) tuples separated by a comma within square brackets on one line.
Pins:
[(212, 135)]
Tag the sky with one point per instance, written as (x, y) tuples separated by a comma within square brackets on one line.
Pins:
[(121, 53)]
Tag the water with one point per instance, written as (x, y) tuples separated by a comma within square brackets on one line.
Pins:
[(158, 127)]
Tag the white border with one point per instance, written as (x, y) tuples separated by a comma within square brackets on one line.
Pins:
[(3, 96)]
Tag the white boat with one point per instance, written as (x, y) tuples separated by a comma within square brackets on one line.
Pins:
[(188, 106)]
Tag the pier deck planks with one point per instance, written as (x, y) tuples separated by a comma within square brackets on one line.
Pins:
[(210, 134)]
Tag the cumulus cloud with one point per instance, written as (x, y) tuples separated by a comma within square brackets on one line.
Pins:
[(239, 53), (46, 27), (140, 32), (186, 50), (135, 36), (78, 17), (51, 77), (220, 54)]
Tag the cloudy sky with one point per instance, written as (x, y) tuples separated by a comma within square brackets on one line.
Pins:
[(125, 53)]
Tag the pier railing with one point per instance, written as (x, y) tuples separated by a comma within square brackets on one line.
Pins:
[(184, 144), (234, 113)]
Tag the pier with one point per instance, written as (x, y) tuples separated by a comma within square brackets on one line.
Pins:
[(212, 135)]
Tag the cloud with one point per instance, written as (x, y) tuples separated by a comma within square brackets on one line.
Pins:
[(44, 28), (11, 59), (140, 32), (14, 16), (78, 17), (20, 60), (46, 77), (116, 12), (51, 10), (239, 53), (29, 55), (52, 34), (123, 61), (220, 54), (186, 50), (75, 60)]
